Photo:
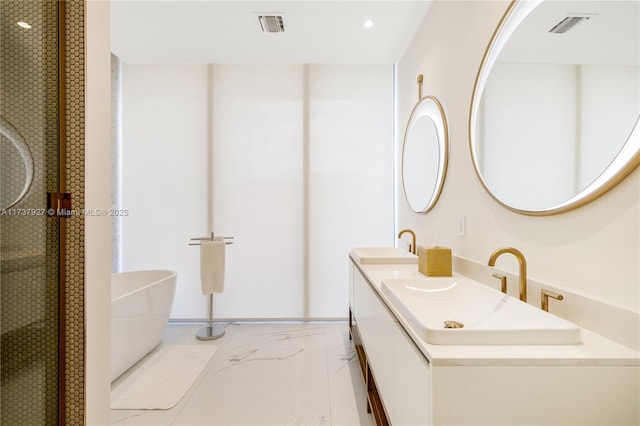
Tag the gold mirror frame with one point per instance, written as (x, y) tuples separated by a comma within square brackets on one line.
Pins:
[(622, 165), (429, 106)]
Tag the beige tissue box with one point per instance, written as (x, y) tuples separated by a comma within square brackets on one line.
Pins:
[(434, 261)]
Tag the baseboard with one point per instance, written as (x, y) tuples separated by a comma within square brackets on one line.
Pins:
[(258, 320)]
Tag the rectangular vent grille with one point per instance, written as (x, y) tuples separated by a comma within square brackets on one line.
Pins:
[(567, 23), (271, 23)]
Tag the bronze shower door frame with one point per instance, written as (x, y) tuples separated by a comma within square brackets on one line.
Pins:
[(62, 151)]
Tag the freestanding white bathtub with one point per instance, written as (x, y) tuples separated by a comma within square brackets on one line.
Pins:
[(140, 306)]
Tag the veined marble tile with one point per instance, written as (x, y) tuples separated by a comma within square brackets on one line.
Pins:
[(144, 417), (347, 389), (268, 374), (262, 386), (294, 335), (185, 334), (337, 336)]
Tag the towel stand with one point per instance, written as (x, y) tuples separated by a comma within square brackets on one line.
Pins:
[(211, 331), (210, 238)]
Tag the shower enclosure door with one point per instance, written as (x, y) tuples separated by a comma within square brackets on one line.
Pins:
[(30, 303)]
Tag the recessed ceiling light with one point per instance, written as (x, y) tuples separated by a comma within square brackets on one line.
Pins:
[(23, 24), (368, 24)]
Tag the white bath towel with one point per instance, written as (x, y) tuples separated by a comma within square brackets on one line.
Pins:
[(212, 266)]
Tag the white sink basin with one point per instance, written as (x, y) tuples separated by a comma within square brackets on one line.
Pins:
[(364, 255), (487, 316)]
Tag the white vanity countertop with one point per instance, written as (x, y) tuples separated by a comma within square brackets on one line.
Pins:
[(594, 349)]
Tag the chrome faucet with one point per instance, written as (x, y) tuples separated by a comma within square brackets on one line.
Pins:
[(412, 246), (523, 268)]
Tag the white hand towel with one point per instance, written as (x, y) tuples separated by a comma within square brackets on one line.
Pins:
[(212, 266)]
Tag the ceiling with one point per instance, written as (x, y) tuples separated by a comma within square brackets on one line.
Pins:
[(215, 31)]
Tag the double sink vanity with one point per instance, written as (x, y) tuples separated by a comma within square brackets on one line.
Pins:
[(451, 350)]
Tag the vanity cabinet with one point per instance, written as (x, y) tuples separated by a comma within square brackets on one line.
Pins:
[(413, 383), (395, 372)]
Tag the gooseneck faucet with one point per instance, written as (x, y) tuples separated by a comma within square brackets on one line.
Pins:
[(412, 246), (521, 262)]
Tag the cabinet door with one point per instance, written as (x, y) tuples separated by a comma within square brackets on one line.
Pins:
[(365, 312), (383, 354), (412, 390)]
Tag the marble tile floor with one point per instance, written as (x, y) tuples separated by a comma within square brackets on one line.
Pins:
[(268, 374)]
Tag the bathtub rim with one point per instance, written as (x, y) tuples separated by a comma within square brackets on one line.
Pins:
[(170, 274)]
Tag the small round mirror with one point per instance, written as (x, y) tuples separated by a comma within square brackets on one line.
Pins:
[(424, 155)]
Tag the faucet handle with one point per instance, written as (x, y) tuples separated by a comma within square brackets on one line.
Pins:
[(544, 298), (503, 282)]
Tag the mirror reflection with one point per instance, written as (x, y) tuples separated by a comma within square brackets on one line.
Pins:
[(555, 111), (17, 165), (424, 155)]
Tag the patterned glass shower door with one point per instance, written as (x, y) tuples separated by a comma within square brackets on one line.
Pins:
[(29, 240)]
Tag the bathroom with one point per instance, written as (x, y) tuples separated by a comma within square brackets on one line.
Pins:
[(589, 254)]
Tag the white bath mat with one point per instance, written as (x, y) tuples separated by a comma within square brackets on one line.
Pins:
[(160, 381)]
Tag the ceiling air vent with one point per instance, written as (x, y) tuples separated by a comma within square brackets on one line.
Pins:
[(271, 23), (567, 23)]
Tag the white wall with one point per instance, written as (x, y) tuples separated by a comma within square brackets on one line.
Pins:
[(592, 251), (97, 196)]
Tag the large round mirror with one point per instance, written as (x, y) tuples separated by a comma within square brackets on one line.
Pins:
[(424, 155), (554, 115)]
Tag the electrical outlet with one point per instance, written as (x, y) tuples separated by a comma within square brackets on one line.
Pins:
[(461, 226)]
